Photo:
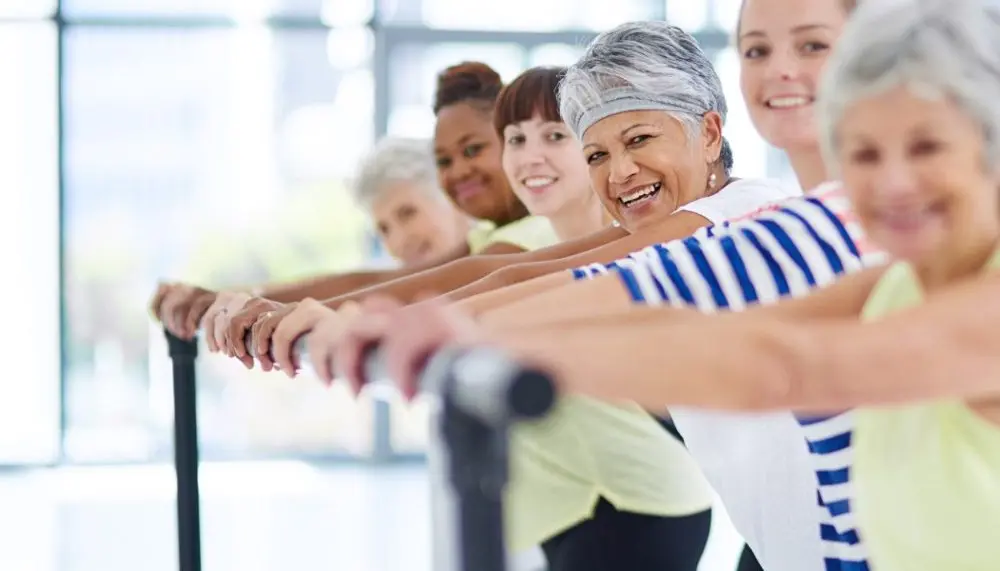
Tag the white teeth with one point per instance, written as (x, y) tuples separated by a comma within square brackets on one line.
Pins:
[(538, 181), (639, 193), (787, 102)]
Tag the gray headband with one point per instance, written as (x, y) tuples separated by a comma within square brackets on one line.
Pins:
[(623, 99)]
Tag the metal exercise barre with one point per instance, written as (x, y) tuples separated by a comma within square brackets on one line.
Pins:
[(483, 393), (483, 383)]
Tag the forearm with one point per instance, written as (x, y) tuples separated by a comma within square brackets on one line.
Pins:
[(498, 298), (607, 248), (327, 286), (947, 348), (437, 280), (656, 365), (559, 298)]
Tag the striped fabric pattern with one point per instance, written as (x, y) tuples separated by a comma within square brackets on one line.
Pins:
[(784, 250)]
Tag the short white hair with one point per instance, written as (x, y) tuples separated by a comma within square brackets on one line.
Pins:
[(662, 67), (949, 46), (396, 160)]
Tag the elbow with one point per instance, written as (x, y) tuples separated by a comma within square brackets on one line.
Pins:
[(785, 370), (527, 272), (510, 275)]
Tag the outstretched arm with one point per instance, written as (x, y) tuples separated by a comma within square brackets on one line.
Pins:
[(324, 286), (664, 355), (680, 225), (463, 272), (458, 263), (946, 348)]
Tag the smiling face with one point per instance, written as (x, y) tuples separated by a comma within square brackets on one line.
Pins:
[(415, 226), (543, 163), (644, 166), (467, 151), (783, 46), (914, 165)]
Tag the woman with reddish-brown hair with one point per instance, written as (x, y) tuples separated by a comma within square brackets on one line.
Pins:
[(542, 158)]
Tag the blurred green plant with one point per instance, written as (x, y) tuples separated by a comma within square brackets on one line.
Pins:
[(319, 230)]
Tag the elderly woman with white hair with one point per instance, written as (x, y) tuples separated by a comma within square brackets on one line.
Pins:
[(397, 184), (909, 122)]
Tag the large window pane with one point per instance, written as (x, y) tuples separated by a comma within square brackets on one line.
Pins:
[(549, 15), (29, 244), (27, 8), (413, 71), (749, 150), (163, 7), (216, 156), (555, 54), (239, 9), (692, 15)]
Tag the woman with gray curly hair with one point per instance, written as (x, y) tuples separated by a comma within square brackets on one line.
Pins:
[(397, 185)]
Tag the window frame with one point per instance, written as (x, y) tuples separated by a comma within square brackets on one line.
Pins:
[(387, 36)]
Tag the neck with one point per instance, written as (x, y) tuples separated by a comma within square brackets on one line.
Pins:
[(951, 269), (580, 219), (515, 212), (810, 170), (464, 222)]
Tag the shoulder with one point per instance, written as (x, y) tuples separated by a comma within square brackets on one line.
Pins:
[(899, 286), (741, 198), (479, 236), (529, 233)]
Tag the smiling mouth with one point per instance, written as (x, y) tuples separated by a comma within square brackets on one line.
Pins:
[(466, 190), (788, 102), (538, 183), (640, 195), (911, 219), (418, 252)]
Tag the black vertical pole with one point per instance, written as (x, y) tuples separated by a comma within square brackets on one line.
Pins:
[(478, 471), (183, 354)]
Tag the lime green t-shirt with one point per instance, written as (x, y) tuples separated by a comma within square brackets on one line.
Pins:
[(927, 475), (529, 233), (587, 449)]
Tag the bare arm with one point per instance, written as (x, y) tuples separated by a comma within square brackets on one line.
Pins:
[(680, 225), (501, 255), (662, 355), (552, 301), (443, 278), (946, 348), (484, 302), (322, 287), (460, 273)]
